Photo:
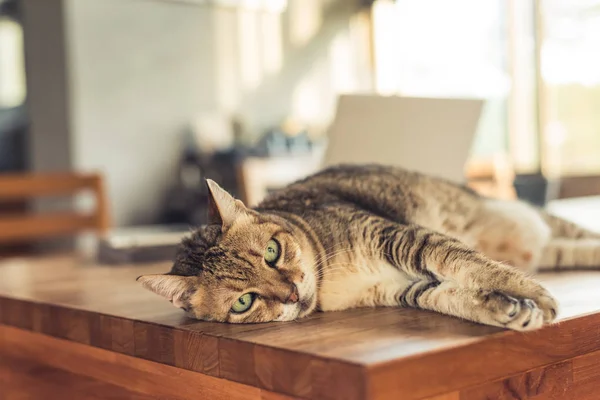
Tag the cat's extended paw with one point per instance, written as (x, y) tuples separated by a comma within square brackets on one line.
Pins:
[(531, 289), (513, 313), (548, 305)]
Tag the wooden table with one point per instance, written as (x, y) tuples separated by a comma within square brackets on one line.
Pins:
[(71, 330)]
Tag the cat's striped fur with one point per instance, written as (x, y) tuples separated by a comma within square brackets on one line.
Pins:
[(356, 236)]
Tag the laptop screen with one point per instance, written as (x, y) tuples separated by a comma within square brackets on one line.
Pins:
[(429, 135)]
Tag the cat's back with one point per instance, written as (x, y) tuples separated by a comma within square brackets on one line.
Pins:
[(377, 188), (352, 177), (360, 172), (349, 179), (340, 183)]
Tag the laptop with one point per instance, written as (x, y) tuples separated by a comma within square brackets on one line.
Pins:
[(429, 135)]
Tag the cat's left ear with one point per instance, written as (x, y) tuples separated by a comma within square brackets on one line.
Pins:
[(223, 209), (172, 287)]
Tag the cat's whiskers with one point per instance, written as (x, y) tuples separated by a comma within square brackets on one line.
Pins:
[(332, 268), (328, 257), (337, 253), (343, 267)]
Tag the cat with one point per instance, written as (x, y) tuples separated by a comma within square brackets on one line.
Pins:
[(370, 235)]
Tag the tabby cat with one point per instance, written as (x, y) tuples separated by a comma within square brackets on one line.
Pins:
[(367, 236)]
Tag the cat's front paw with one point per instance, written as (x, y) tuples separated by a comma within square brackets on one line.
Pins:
[(533, 290), (513, 313), (548, 305)]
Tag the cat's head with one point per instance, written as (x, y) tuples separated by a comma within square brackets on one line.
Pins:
[(243, 267)]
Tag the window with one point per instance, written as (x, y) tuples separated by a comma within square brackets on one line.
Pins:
[(440, 48), (536, 62), (570, 86), (12, 69)]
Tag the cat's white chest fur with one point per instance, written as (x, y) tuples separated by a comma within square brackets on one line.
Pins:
[(347, 285)]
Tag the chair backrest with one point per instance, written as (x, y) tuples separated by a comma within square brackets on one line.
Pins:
[(29, 226), (257, 175)]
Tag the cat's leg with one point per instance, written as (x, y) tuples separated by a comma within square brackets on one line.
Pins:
[(564, 254), (570, 247), (483, 306), (511, 232), (531, 239), (561, 228), (428, 254)]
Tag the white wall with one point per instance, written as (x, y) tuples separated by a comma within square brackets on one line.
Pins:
[(139, 71), (293, 64)]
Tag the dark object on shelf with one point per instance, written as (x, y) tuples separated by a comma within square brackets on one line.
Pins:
[(276, 143), (535, 188), (300, 144), (186, 201), (272, 144), (13, 129), (10, 9)]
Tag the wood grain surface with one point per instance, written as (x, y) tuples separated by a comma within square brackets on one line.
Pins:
[(358, 354), (67, 370)]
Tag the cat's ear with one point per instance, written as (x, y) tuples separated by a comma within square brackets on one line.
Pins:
[(171, 287), (223, 209)]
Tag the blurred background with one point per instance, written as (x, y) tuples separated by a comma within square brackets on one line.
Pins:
[(156, 95)]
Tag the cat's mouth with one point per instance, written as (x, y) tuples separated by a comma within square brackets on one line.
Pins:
[(307, 305)]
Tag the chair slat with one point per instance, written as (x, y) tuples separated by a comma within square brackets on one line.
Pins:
[(31, 226), (16, 229), (38, 185)]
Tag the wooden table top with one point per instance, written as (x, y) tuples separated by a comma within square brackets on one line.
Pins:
[(380, 353)]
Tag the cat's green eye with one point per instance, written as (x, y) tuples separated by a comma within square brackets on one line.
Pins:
[(243, 304), (272, 252)]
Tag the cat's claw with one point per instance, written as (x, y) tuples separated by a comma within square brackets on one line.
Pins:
[(513, 313), (528, 316), (549, 307), (542, 298)]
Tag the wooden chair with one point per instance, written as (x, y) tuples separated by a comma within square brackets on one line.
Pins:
[(257, 175), (31, 226), (492, 177)]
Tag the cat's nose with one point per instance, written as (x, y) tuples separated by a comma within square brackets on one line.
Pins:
[(294, 296)]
